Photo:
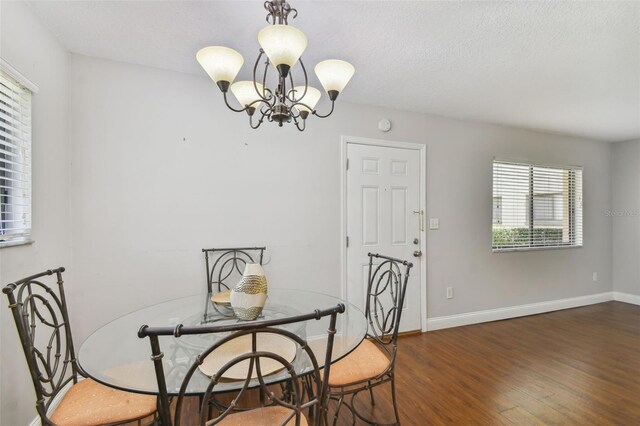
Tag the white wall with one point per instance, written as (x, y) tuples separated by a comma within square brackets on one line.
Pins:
[(26, 45), (161, 169), (625, 212)]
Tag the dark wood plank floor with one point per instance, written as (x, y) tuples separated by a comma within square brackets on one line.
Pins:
[(573, 367)]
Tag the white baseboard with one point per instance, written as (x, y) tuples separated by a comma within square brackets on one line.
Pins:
[(626, 297), (477, 317)]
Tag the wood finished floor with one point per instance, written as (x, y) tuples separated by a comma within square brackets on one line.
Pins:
[(573, 367)]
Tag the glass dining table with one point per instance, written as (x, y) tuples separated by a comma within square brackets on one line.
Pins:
[(115, 356)]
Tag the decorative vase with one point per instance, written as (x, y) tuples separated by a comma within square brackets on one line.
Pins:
[(250, 294)]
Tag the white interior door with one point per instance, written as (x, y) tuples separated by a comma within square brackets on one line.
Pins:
[(383, 192)]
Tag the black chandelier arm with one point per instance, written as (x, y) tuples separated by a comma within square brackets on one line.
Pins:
[(253, 104), (306, 78), (266, 110), (256, 125), (306, 83), (262, 115), (293, 114), (264, 78), (333, 103), (304, 105), (226, 101), (261, 103), (304, 125), (297, 122), (291, 90)]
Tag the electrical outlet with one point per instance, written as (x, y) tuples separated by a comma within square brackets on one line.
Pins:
[(449, 292), (595, 277)]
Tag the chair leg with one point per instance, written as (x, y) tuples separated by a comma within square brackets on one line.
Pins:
[(393, 397), (337, 413), (373, 401), (308, 385)]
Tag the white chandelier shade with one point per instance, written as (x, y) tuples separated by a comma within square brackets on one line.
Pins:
[(246, 93), (309, 99), (334, 74), (283, 44), (221, 63)]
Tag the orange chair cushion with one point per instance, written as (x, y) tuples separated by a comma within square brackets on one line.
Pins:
[(266, 416), (88, 403), (365, 362)]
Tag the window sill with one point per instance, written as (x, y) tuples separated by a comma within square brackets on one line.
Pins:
[(508, 250), (24, 242)]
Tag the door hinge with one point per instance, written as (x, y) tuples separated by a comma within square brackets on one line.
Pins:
[(347, 241), (347, 164)]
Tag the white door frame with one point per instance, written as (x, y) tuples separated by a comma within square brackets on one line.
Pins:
[(345, 140)]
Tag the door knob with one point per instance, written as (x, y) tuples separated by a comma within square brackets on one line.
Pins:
[(416, 241), (417, 253)]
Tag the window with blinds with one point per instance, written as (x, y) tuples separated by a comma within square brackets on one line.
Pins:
[(15, 160), (536, 206)]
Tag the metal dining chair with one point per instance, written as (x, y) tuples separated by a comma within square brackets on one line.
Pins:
[(42, 319), (225, 267), (225, 264), (372, 363), (285, 409)]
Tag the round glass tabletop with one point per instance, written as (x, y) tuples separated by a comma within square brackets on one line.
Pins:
[(115, 356)]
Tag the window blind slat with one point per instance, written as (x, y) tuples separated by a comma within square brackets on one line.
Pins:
[(8, 153), (17, 139), (12, 103), (9, 179), (10, 126)]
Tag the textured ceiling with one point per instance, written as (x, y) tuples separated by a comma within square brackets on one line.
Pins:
[(566, 67)]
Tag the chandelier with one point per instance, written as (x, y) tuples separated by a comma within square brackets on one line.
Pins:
[(281, 46)]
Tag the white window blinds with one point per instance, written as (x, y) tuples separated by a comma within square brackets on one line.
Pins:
[(15, 160), (536, 206)]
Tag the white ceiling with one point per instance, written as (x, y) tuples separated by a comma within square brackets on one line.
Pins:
[(566, 67)]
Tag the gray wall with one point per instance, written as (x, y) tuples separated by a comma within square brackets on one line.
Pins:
[(625, 214), (161, 168), (26, 45)]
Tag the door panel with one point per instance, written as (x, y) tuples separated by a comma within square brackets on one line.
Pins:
[(399, 216), (383, 191), (370, 216)]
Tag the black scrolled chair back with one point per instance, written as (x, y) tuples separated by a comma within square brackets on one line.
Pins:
[(42, 320), (295, 399), (224, 263), (306, 392), (386, 289)]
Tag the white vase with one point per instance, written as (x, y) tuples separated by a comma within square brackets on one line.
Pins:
[(250, 294)]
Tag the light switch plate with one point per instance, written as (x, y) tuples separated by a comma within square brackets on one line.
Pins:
[(434, 223)]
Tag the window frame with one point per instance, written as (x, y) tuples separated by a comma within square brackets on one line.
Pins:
[(530, 207), (27, 84)]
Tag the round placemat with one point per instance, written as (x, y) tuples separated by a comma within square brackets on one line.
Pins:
[(222, 297), (265, 342)]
